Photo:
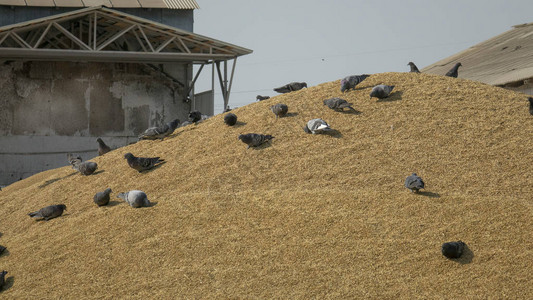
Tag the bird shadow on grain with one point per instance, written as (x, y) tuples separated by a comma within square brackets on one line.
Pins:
[(153, 168), (98, 172), (239, 124), (429, 194), (152, 204), (467, 256), (8, 283), (351, 112), (334, 133), (364, 88), (262, 146), (48, 182), (113, 203), (291, 114), (5, 253), (395, 96)]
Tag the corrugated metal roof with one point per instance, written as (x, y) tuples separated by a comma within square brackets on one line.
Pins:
[(502, 59), (172, 4)]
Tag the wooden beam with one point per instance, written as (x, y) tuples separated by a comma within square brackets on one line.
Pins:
[(194, 80), (71, 36), (163, 45), (113, 38)]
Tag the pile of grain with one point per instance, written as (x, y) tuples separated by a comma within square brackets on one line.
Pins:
[(306, 216)]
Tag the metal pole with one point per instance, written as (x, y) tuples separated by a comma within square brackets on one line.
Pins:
[(225, 84), (213, 82), (231, 77), (195, 77)]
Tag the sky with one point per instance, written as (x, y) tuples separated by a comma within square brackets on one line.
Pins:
[(318, 41)]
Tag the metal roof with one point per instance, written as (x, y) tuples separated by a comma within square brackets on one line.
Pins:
[(502, 59), (103, 34), (171, 4)]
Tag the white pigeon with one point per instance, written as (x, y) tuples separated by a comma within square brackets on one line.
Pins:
[(316, 126)]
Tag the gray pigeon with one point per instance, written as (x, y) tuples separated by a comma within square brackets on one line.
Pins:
[(280, 109), (49, 212), (530, 99), (261, 98), (454, 71), (195, 116), (102, 198), (414, 69), (160, 132), (349, 82), (230, 119), (381, 91), (338, 104), (2, 278), (102, 147), (453, 249), (315, 126), (254, 139), (85, 168), (291, 87), (135, 198), (414, 183), (2, 249), (141, 163)]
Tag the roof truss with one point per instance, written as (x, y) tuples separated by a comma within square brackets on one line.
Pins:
[(101, 34)]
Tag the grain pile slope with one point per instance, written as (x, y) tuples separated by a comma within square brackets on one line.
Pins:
[(305, 216)]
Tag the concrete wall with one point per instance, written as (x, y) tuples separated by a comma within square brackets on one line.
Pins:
[(179, 18), (48, 109)]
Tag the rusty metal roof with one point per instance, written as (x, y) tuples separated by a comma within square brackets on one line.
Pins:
[(502, 59), (171, 4)]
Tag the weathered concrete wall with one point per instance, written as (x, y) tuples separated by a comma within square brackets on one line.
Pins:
[(48, 109), (179, 18)]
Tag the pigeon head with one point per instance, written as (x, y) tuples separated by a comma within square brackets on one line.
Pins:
[(374, 93), (128, 156), (99, 140), (304, 84), (62, 206), (414, 174), (245, 138), (410, 63), (174, 124), (107, 191), (530, 99), (3, 273), (344, 85)]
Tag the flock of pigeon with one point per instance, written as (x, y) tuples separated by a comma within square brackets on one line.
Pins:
[(137, 198)]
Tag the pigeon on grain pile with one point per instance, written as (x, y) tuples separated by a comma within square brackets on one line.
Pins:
[(160, 132), (102, 147), (349, 82), (453, 249), (254, 139), (381, 91), (530, 99), (102, 198), (414, 69), (49, 212), (414, 183), (453, 72), (2, 278), (261, 98), (85, 168), (280, 109), (141, 163), (338, 104), (291, 87), (230, 119), (135, 198), (315, 126)]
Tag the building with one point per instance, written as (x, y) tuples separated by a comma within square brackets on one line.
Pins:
[(505, 60), (70, 74)]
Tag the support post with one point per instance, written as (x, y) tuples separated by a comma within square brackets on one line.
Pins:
[(231, 76)]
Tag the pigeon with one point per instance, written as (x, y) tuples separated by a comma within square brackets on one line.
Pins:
[(135, 198), (2, 249), (160, 132), (453, 249), (530, 99), (414, 183), (349, 82), (261, 98), (291, 87), (338, 104), (315, 126), (254, 139), (102, 147), (381, 91), (414, 69), (280, 109), (230, 119), (73, 160), (453, 72), (49, 212), (102, 198), (85, 168), (2, 279), (227, 109), (195, 116), (142, 163)]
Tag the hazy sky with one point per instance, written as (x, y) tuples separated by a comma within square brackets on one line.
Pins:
[(318, 41)]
